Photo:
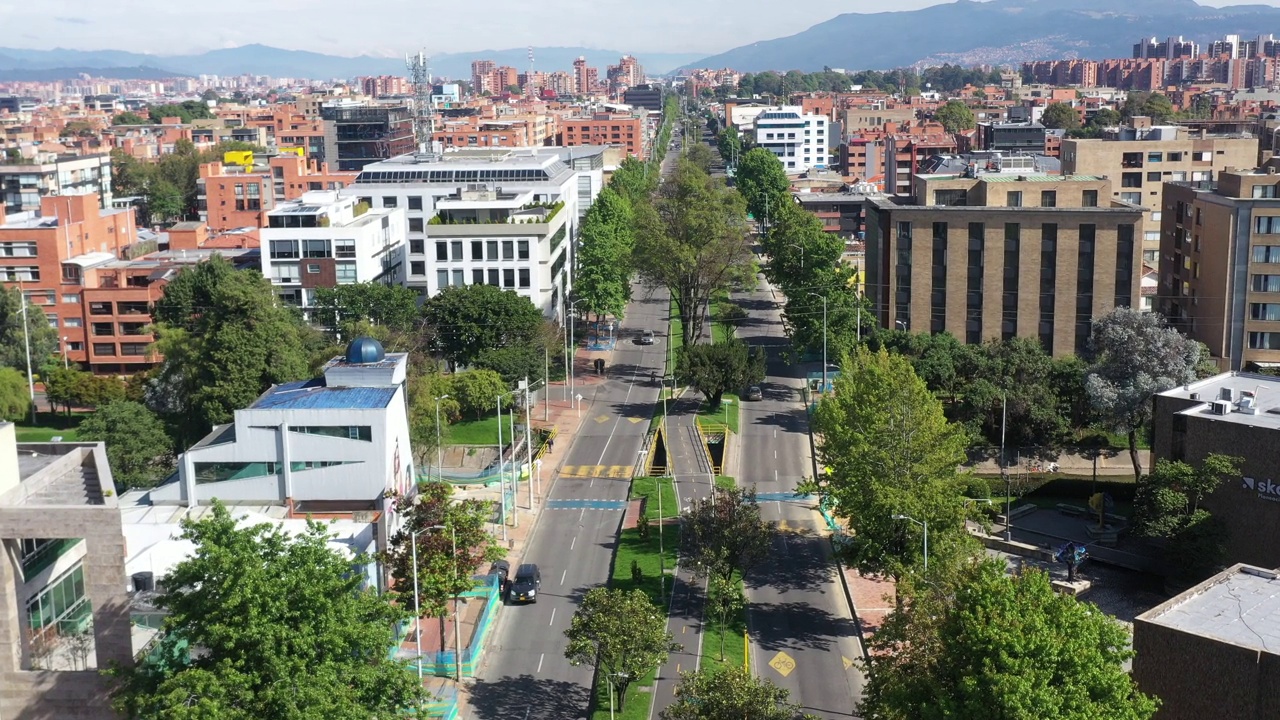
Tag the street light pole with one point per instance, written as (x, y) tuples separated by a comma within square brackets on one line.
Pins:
[(502, 486), (515, 472), (1004, 470), (801, 248), (439, 444), (26, 340), (417, 606), (824, 340), (924, 524)]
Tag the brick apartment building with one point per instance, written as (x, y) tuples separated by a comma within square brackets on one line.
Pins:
[(231, 196), (507, 131), (626, 131), (986, 255)]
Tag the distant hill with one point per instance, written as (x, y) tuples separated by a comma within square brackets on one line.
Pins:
[(60, 63), (995, 32), (63, 73)]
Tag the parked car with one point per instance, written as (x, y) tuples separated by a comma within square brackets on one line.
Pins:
[(754, 393), (502, 569), (646, 338), (527, 583)]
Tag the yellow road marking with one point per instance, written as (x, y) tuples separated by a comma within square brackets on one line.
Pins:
[(633, 420), (601, 418), (619, 471), (847, 662), (783, 663)]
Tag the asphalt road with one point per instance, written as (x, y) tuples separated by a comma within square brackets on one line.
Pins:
[(524, 674), (802, 635)]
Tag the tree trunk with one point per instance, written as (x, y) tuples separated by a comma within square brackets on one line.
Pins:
[(722, 624), (444, 636), (1133, 455)]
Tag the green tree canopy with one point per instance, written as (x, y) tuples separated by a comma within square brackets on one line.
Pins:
[(467, 320), (762, 182), (1106, 117), (391, 306), (729, 143), (955, 116), (284, 628), (1167, 505), (140, 452), (187, 111), (633, 181), (129, 118), (1060, 116), (730, 693), (889, 450), (700, 155), (225, 338), (602, 282), (720, 368), (724, 534), (985, 644), (623, 635), (476, 391), (15, 398), (14, 333)]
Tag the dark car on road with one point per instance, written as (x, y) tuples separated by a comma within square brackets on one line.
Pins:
[(527, 583), (754, 393), (502, 569)]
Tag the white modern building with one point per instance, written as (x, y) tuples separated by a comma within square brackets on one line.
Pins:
[(45, 173), (498, 216), (799, 140), (324, 239)]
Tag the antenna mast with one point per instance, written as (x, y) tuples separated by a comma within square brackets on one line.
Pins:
[(424, 121)]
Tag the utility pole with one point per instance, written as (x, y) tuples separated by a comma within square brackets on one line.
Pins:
[(26, 340), (502, 487), (528, 443), (515, 476), (1004, 470)]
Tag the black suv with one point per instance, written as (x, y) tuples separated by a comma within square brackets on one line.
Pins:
[(527, 583)]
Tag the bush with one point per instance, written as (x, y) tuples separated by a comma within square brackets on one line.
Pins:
[(637, 575), (1069, 487), (975, 487)]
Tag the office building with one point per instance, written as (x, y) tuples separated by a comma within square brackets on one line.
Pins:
[(1012, 137), (503, 217), (323, 239), (646, 97), (64, 614), (625, 131), (997, 254), (359, 135), (799, 140), (231, 195), (23, 185), (1142, 158), (1220, 266)]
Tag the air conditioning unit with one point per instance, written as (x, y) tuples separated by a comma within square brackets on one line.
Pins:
[(1221, 407), (1227, 394), (1195, 396)]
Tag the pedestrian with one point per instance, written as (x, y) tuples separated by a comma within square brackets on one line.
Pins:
[(551, 444)]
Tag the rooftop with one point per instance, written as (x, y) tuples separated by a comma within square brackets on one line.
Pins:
[(1254, 399), (1240, 606), (316, 395), (58, 473)]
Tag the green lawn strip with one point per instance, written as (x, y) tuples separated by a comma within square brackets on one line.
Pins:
[(724, 482), (476, 432), (707, 416), (735, 651), (49, 426), (637, 701)]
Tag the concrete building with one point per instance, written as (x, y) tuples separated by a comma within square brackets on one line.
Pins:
[(1147, 157), (1219, 269), (999, 254), (323, 239), (357, 136), (23, 185), (499, 217), (647, 97), (1212, 651), (1232, 414), (800, 140), (62, 577), (231, 196), (1012, 137), (585, 79), (629, 132)]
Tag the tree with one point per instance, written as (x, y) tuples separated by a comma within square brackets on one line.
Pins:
[(985, 644), (1166, 505), (694, 243), (15, 400), (955, 116), (729, 143), (129, 118), (442, 574), (700, 155), (1060, 116), (1106, 117), (724, 601), (140, 452), (602, 281), (423, 389), (633, 181), (730, 693), (283, 627), (889, 451), (1135, 356), (717, 369), (724, 534), (225, 338), (187, 111), (15, 333), (476, 391), (467, 320), (73, 387), (762, 182), (623, 635), (165, 202), (392, 306)]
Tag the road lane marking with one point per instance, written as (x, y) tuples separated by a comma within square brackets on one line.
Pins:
[(566, 572), (783, 663), (540, 659), (584, 512), (847, 662), (553, 617), (575, 537)]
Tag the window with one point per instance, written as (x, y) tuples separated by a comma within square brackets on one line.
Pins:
[(284, 249), (131, 307), (1133, 198), (458, 280), (133, 349), (1048, 198), (345, 248), (442, 252), (1153, 176), (1084, 287), (73, 322), (1267, 225), (71, 298), (1264, 191), (1013, 199), (1131, 160), (522, 249), (1124, 265), (104, 349), (388, 201), (315, 248), (477, 276), (1175, 157), (345, 272), (491, 250), (99, 308), (523, 274), (1048, 283), (132, 328), (1089, 198), (415, 224), (18, 249), (455, 250), (1264, 341), (75, 346), (1154, 157), (415, 202), (508, 250), (346, 432), (1012, 260), (417, 267), (1266, 254), (938, 290), (1264, 311), (416, 247), (442, 279), (62, 606), (493, 277), (1131, 179), (1265, 283), (508, 278)]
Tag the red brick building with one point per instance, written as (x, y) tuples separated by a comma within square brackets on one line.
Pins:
[(606, 129)]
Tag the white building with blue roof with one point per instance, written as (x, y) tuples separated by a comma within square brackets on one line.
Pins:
[(335, 445)]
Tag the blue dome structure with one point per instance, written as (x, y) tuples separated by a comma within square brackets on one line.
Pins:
[(364, 351)]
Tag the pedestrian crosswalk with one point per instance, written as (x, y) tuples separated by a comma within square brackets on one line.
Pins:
[(779, 497), (597, 471), (586, 505)]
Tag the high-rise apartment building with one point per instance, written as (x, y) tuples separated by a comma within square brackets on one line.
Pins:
[(1139, 160), (482, 76), (355, 136), (585, 78), (997, 255), (1170, 49), (1220, 266)]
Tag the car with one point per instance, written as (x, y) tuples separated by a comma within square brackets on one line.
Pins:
[(502, 569), (646, 338), (527, 583), (754, 393)]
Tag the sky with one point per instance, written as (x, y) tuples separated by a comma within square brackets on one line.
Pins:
[(385, 27)]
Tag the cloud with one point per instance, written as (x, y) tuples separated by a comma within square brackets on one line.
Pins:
[(72, 20)]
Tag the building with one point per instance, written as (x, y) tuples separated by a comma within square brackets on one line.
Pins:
[(987, 255), (231, 196), (357, 136), (498, 217), (482, 76), (509, 131), (324, 239), (336, 443), (585, 79), (1171, 49), (1011, 138), (799, 140), (52, 255), (63, 576), (1219, 269), (1232, 414), (645, 97), (22, 185), (1148, 157), (626, 74), (842, 213), (625, 131)]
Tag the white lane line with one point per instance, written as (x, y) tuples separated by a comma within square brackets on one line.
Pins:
[(584, 512), (540, 658), (553, 617), (566, 572), (574, 542)]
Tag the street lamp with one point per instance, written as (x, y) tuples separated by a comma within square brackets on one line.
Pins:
[(573, 338), (902, 324), (417, 606), (662, 558), (611, 676), (801, 248), (925, 525), (824, 340), (66, 363), (502, 481), (457, 631), (439, 444), (1004, 470)]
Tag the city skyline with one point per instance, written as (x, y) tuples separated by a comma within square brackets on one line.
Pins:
[(669, 26)]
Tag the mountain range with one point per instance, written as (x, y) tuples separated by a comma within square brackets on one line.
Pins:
[(20, 64), (995, 32)]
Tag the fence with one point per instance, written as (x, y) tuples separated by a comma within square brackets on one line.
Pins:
[(709, 434), (443, 705), (445, 663)]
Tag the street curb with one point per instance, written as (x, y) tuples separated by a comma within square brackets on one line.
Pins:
[(844, 581)]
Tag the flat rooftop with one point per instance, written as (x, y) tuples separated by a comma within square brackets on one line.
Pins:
[(1263, 391), (57, 473), (1240, 607), (314, 395)]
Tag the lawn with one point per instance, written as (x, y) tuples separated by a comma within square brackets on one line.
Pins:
[(476, 432), (49, 426), (735, 644), (729, 412)]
